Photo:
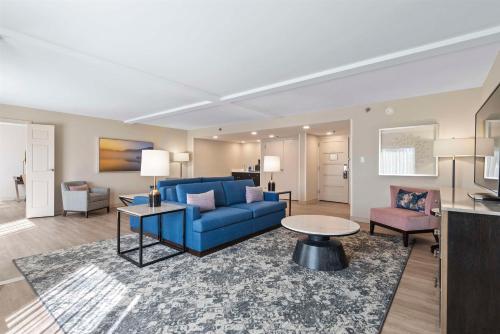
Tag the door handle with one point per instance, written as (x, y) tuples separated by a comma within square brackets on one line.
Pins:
[(52, 169), (345, 174)]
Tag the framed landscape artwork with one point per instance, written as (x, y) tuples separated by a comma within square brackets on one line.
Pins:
[(121, 155)]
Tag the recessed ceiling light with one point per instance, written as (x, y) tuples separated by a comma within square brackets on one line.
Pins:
[(306, 127), (271, 136), (243, 142), (329, 133), (389, 111), (254, 133), (215, 137), (258, 140)]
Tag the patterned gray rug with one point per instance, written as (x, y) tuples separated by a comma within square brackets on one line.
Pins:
[(251, 287)]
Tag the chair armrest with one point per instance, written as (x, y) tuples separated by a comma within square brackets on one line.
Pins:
[(271, 196), (74, 200)]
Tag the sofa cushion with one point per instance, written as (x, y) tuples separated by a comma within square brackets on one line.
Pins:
[(222, 216), (205, 201), (403, 219), (259, 209), (217, 178), (174, 182), (198, 188), (235, 190)]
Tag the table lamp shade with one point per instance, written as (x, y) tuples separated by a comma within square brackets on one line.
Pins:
[(272, 163), (181, 157), (454, 147), (155, 163), (485, 147)]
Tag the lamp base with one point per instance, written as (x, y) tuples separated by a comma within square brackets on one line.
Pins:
[(271, 186), (154, 198)]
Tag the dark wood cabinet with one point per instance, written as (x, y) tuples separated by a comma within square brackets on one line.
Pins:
[(255, 176), (470, 272)]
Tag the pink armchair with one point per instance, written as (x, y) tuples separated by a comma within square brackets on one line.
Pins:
[(407, 221)]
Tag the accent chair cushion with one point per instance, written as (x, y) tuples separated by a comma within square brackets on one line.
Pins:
[(254, 194), (220, 217), (82, 187), (235, 190), (403, 219), (411, 200), (205, 201), (97, 197), (259, 209), (198, 188)]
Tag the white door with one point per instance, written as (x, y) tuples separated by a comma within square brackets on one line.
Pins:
[(40, 171), (334, 169)]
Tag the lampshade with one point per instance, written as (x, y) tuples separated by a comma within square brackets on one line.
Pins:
[(181, 157), (155, 163), (272, 163), (485, 147), (454, 147)]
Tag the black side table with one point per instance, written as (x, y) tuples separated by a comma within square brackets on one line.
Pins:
[(143, 211), (281, 192)]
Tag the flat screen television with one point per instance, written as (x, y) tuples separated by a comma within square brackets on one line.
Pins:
[(487, 146)]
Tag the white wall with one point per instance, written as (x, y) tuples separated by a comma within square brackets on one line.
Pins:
[(76, 150), (218, 158), (12, 148)]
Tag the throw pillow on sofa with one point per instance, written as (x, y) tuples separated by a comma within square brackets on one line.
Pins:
[(206, 201), (254, 194), (411, 200)]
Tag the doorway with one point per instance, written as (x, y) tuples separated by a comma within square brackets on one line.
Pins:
[(334, 169)]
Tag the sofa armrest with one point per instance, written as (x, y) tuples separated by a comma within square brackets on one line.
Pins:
[(271, 196), (192, 212)]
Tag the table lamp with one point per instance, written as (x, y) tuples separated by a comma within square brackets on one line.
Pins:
[(155, 163), (271, 164), (181, 158), (453, 148)]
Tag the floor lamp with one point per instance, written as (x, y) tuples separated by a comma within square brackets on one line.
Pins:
[(181, 158), (453, 148)]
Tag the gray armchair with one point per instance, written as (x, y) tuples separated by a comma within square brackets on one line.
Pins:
[(95, 198)]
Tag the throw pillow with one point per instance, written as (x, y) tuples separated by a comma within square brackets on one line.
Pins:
[(254, 194), (411, 200), (83, 187), (206, 201)]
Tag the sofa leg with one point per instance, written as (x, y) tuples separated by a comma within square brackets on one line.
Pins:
[(372, 227), (405, 239), (108, 209), (65, 213), (86, 214)]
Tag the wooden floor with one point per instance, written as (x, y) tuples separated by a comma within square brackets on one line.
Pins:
[(414, 309)]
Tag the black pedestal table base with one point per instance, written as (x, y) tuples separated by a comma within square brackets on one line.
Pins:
[(320, 253)]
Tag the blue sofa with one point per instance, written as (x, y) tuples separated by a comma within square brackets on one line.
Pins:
[(169, 193), (232, 220)]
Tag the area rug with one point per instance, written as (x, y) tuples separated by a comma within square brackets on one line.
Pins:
[(252, 287)]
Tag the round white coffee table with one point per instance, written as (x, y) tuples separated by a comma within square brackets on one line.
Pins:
[(318, 251)]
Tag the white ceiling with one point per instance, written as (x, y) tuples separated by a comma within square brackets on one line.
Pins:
[(319, 129), (254, 60)]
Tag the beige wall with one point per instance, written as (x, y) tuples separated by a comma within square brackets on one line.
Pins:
[(76, 151), (454, 112), (218, 158), (12, 149), (312, 161)]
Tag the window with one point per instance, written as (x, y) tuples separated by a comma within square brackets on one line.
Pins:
[(397, 161)]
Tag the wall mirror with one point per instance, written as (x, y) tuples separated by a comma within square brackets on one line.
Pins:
[(408, 151)]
